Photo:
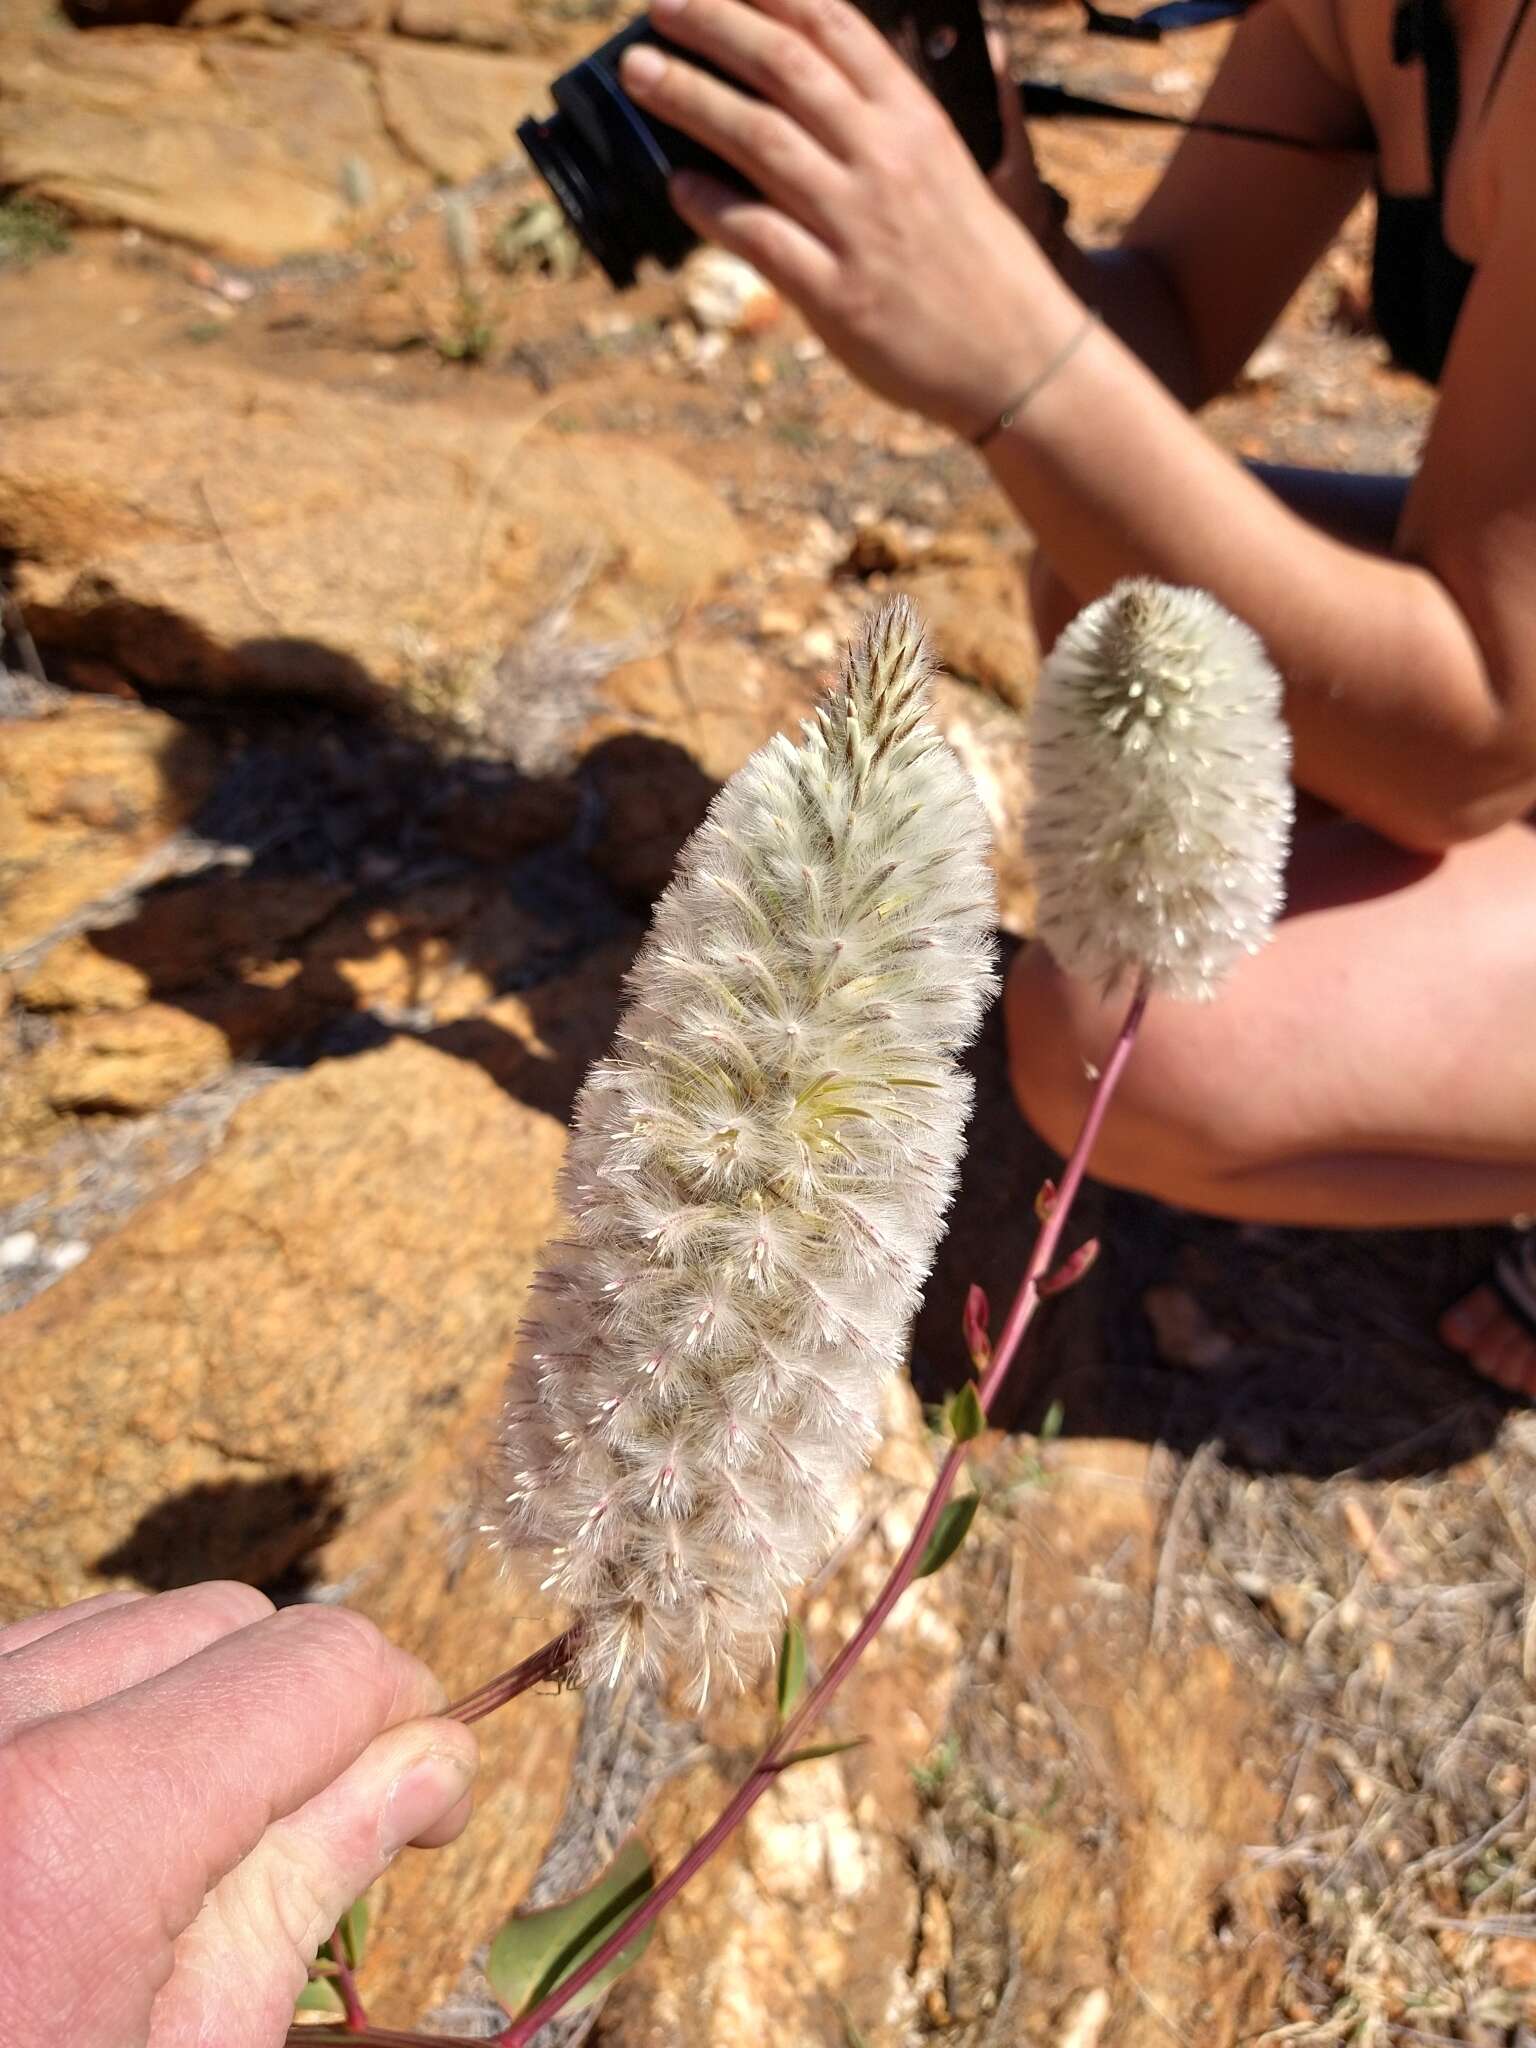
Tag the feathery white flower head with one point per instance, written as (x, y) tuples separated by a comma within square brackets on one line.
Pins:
[(756, 1185), (1162, 799)]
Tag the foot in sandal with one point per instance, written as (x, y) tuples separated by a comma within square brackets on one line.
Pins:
[(1495, 1325)]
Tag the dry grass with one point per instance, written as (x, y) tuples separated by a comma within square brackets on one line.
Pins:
[(1246, 1744), (1395, 1629)]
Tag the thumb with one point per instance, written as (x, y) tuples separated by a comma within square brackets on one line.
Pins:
[(242, 1962)]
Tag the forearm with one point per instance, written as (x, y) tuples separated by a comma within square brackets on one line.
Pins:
[(1393, 715)]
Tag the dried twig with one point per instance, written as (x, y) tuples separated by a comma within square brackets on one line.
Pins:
[(1173, 1536)]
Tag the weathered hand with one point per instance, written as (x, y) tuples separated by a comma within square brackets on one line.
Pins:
[(193, 1789), (873, 217)]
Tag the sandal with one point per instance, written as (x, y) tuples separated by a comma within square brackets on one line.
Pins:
[(1494, 1326), (1514, 1279)]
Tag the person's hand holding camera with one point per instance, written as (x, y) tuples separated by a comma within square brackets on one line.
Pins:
[(193, 1789), (874, 218)]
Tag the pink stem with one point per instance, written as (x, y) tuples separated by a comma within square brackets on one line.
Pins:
[(769, 1764), (1028, 1296), (336, 2036), (346, 1985), (549, 1662)]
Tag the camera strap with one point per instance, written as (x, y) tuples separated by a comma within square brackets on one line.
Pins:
[(1043, 102), (1153, 23)]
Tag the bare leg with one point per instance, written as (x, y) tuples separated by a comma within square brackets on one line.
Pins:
[(1375, 1067)]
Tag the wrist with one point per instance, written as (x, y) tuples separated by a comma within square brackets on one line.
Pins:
[(1034, 320), (1011, 329), (1024, 395)]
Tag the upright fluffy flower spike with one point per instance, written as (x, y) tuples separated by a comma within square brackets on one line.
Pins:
[(756, 1185), (1162, 795)]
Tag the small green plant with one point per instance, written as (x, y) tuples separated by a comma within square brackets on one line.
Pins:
[(931, 1777), (358, 186), (798, 434), (537, 239), (29, 229), (471, 335)]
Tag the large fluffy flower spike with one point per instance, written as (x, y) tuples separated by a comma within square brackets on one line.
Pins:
[(756, 1185)]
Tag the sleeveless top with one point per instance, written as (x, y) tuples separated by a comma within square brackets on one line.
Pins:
[(1418, 282)]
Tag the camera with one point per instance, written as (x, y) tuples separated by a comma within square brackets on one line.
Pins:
[(608, 164)]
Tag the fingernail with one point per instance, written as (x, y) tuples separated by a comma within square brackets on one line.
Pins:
[(668, 6), (422, 1794), (643, 66)]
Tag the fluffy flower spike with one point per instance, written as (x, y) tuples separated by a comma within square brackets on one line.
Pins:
[(756, 1185), (1162, 795)]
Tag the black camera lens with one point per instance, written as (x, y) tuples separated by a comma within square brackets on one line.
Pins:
[(608, 164)]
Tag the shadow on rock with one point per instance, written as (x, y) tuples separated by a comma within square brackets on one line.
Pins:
[(367, 882), (126, 13), (352, 880), (130, 648), (250, 1529)]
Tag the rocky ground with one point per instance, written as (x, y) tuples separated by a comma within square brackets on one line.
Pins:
[(402, 596)]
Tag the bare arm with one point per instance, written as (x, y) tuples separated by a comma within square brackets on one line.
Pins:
[(1411, 678), (1232, 228), (1410, 682)]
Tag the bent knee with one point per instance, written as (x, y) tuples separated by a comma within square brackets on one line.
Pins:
[(1188, 1113)]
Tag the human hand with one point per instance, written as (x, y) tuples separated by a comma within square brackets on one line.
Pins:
[(193, 1790), (874, 218)]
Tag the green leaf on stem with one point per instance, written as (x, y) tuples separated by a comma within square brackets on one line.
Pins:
[(1050, 1428), (320, 1996), (791, 1668), (967, 1418), (352, 1928), (949, 1533), (816, 1749), (536, 1952)]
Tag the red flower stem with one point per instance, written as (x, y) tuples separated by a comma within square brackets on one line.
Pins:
[(770, 1763), (346, 1985), (1028, 1296), (336, 2036), (549, 1662)]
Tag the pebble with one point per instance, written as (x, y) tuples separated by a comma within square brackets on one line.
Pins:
[(725, 295), (19, 1249), (1084, 2019)]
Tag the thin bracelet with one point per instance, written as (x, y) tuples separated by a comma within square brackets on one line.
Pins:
[(1037, 383)]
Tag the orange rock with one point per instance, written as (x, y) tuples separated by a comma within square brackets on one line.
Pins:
[(274, 1346), (85, 795), (129, 1061)]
